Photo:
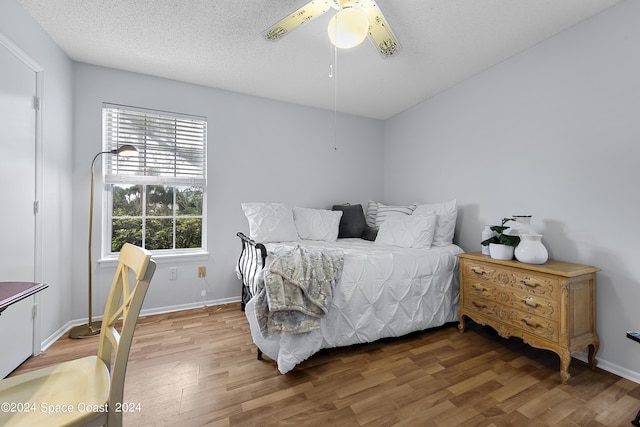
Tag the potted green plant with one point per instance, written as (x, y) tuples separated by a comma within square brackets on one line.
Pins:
[(501, 246)]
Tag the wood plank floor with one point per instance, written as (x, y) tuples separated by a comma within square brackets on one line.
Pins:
[(199, 368)]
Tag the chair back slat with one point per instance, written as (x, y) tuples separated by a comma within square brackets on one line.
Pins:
[(123, 303)]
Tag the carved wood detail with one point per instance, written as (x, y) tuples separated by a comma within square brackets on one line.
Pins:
[(549, 306)]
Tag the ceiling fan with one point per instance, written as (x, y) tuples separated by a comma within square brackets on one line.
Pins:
[(354, 20)]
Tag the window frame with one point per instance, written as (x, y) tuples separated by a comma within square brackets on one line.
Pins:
[(107, 194)]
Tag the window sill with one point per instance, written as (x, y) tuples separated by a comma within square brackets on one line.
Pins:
[(163, 258)]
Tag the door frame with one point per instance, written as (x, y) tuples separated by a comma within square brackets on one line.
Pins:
[(34, 66), (23, 57)]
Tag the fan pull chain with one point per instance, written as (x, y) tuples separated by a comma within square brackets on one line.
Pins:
[(333, 73)]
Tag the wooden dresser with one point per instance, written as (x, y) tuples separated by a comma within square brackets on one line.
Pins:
[(550, 306)]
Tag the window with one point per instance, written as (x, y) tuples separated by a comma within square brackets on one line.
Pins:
[(156, 199)]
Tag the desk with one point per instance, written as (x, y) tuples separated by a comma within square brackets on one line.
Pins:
[(12, 292), (634, 336), (17, 320)]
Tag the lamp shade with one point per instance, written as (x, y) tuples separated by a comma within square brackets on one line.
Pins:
[(125, 150), (348, 28)]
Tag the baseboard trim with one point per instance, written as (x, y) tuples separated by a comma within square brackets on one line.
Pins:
[(189, 306), (145, 312), (612, 368), (57, 334)]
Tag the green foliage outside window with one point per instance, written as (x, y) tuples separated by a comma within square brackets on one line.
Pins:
[(171, 218)]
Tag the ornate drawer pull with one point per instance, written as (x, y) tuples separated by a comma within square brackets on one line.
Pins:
[(529, 302), (479, 288), (479, 270), (530, 284), (478, 305), (532, 325)]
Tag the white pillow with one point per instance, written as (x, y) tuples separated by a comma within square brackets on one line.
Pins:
[(447, 213), (270, 222), (317, 224), (386, 211), (407, 231)]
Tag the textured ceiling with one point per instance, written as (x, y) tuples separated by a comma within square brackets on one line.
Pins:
[(218, 43)]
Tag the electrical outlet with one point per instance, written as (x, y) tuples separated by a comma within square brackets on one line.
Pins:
[(173, 273), (202, 271), (203, 293)]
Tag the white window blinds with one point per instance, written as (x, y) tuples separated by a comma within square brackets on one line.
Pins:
[(171, 147)]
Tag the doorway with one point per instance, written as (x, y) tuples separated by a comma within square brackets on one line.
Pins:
[(19, 164)]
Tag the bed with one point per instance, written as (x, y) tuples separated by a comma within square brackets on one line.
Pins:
[(385, 289)]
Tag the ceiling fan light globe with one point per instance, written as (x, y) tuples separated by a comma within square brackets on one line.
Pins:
[(348, 28)]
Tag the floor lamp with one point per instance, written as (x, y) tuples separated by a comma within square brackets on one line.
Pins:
[(92, 328)]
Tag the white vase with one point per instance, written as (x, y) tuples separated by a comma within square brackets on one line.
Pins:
[(530, 250), (499, 251), (522, 225), (486, 234)]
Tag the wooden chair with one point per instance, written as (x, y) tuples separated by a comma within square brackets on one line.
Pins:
[(86, 391)]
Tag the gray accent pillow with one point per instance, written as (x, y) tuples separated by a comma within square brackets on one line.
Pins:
[(352, 223), (370, 233)]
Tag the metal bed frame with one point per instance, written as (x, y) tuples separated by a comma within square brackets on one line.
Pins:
[(252, 259)]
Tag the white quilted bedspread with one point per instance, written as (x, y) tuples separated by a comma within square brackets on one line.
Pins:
[(384, 292)]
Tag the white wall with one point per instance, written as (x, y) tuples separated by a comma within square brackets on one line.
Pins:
[(557, 125), (55, 205), (553, 132), (258, 150)]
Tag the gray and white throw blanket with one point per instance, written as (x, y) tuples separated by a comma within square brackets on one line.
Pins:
[(298, 288)]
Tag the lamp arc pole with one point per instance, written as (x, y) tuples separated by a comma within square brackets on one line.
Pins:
[(92, 328)]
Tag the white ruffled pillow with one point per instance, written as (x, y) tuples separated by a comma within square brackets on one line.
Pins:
[(317, 224), (407, 231), (446, 213), (270, 222)]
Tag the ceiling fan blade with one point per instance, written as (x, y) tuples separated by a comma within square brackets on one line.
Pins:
[(306, 13), (380, 33)]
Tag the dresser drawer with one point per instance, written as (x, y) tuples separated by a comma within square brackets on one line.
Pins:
[(536, 284), (537, 325), (512, 298), (532, 302)]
